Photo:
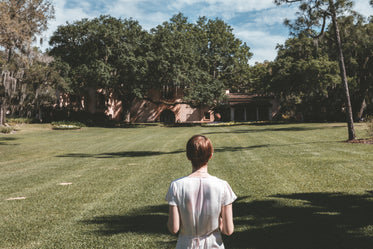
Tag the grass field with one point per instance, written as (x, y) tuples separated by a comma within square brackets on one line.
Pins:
[(299, 186)]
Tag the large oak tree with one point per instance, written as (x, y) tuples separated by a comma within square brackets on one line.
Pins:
[(104, 53)]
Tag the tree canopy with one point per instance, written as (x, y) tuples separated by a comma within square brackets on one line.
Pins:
[(306, 76), (104, 53), (20, 22), (201, 59), (312, 17)]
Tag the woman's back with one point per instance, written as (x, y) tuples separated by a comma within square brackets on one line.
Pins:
[(199, 200)]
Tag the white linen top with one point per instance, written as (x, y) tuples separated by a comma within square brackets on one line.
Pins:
[(199, 200)]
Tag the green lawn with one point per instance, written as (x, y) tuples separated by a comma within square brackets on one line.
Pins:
[(299, 186)]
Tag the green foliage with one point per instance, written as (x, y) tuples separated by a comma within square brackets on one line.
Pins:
[(16, 121), (6, 129), (206, 94), (306, 77), (104, 53), (356, 33), (260, 79), (203, 58), (21, 21), (305, 80), (233, 123), (118, 56), (67, 125)]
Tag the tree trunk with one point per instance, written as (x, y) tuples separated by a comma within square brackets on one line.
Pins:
[(2, 110), (127, 100), (363, 106), (91, 100), (350, 119), (40, 114), (9, 55)]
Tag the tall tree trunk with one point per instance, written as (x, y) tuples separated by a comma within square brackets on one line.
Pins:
[(2, 110), (350, 119), (91, 100)]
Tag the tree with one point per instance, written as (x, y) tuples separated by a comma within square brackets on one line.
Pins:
[(260, 78), (104, 53), (173, 54), (20, 22), (221, 55), (314, 14), (42, 83), (304, 78), (32, 87), (356, 33), (203, 58)]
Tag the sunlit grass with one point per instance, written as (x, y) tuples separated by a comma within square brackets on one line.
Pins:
[(299, 185)]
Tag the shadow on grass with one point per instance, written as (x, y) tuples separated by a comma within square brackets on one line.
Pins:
[(295, 221), (240, 148), (5, 140), (319, 220), (158, 153), (150, 220), (269, 128), (122, 154)]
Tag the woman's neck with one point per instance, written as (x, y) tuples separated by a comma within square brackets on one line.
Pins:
[(202, 169)]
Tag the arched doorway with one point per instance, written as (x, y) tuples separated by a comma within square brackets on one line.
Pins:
[(168, 117)]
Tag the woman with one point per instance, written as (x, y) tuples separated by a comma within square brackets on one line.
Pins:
[(200, 204)]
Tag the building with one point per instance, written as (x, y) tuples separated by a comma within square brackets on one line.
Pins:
[(251, 107), (167, 106)]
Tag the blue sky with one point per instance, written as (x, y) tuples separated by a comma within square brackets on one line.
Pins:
[(259, 23)]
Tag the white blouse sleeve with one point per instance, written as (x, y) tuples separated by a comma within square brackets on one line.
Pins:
[(228, 195), (171, 195)]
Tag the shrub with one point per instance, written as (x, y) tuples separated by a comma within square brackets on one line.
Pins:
[(15, 121), (6, 129), (67, 125), (233, 123)]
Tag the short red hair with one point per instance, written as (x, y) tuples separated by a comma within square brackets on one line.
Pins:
[(199, 150)]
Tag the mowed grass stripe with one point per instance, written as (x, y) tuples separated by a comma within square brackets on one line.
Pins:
[(120, 177), (142, 181)]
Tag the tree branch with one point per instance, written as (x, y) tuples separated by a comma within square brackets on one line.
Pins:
[(322, 27)]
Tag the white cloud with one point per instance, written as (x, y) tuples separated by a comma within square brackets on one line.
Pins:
[(63, 15), (226, 5), (132, 9), (262, 44), (125, 8), (256, 22), (363, 7), (275, 15)]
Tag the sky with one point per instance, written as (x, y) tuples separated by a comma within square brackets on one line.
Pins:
[(259, 23)]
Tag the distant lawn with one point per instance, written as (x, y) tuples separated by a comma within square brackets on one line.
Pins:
[(299, 186)]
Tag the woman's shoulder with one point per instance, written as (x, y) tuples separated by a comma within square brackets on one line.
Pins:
[(210, 178), (179, 180), (217, 179)]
